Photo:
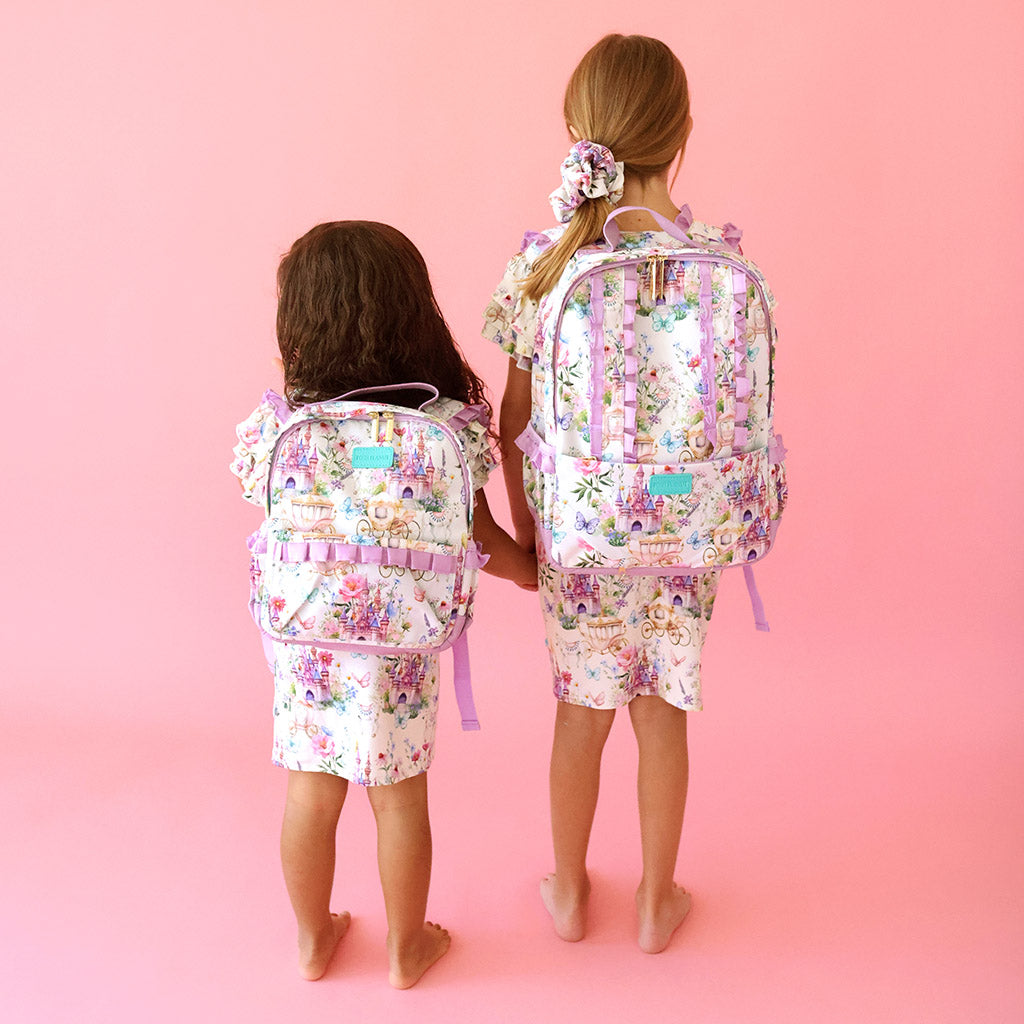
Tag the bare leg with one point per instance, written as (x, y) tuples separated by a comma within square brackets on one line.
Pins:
[(580, 735), (662, 779), (403, 858), (311, 813)]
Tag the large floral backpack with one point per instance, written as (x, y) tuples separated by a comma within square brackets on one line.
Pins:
[(653, 450), (369, 533)]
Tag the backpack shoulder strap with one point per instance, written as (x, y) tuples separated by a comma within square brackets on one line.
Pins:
[(463, 686), (756, 604)]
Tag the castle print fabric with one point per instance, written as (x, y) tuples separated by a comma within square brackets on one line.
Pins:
[(612, 637), (367, 718)]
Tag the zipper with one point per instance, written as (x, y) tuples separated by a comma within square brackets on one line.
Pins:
[(656, 278), (389, 426), (656, 261), (682, 255)]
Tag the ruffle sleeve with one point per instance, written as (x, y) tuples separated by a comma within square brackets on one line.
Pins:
[(476, 445), (479, 456), (256, 437), (510, 320)]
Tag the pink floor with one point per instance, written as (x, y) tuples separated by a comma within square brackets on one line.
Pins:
[(856, 872)]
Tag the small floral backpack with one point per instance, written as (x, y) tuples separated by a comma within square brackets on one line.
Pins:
[(654, 449), (368, 540)]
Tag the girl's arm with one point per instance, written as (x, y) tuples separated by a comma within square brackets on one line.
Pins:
[(508, 560), (512, 421)]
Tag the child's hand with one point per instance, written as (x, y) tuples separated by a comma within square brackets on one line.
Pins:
[(526, 572), (509, 559), (527, 538)]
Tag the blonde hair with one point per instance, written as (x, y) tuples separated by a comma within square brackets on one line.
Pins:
[(628, 93)]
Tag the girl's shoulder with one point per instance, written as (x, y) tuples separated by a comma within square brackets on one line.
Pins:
[(535, 242), (530, 248), (257, 434), (459, 415), (470, 422), (267, 417)]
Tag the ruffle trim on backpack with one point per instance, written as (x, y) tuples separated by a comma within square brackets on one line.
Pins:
[(367, 554)]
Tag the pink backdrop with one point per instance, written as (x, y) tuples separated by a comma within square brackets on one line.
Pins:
[(854, 835)]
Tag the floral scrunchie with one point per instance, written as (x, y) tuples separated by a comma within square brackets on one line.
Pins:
[(588, 172)]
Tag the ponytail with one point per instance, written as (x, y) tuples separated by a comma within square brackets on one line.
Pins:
[(628, 95), (586, 226)]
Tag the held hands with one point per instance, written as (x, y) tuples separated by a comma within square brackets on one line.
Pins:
[(509, 559), (526, 540), (526, 569)]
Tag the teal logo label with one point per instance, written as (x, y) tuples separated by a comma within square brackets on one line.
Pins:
[(670, 483), (373, 457)]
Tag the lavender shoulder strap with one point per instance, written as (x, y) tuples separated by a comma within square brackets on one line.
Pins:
[(463, 688), (677, 228), (756, 604)]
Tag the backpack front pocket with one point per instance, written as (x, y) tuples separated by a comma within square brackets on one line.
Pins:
[(378, 598), (641, 517)]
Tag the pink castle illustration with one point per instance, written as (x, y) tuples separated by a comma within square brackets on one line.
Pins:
[(638, 510), (747, 498), (298, 460), (412, 475), (672, 287), (681, 591), (755, 541), (407, 682), (312, 674), (643, 677), (581, 594), (365, 617)]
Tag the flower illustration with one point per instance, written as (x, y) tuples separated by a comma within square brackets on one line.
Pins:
[(627, 657), (323, 745), (352, 586)]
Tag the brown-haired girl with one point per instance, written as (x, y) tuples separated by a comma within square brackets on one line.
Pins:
[(356, 310), (627, 111)]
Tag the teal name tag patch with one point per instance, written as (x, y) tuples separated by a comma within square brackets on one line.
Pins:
[(380, 456), (670, 483)]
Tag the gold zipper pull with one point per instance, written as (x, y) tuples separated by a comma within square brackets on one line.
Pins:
[(656, 277), (389, 426), (375, 416)]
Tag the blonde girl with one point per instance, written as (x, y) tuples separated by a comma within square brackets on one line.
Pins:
[(627, 112)]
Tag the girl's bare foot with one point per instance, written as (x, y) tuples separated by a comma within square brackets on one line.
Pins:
[(410, 964), (315, 952), (660, 918), (567, 907)]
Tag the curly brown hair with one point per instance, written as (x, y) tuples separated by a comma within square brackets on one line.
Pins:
[(356, 309)]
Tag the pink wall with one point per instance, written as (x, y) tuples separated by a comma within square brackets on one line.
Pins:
[(159, 158), (158, 163)]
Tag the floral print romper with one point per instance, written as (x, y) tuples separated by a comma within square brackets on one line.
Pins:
[(604, 632), (332, 709)]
